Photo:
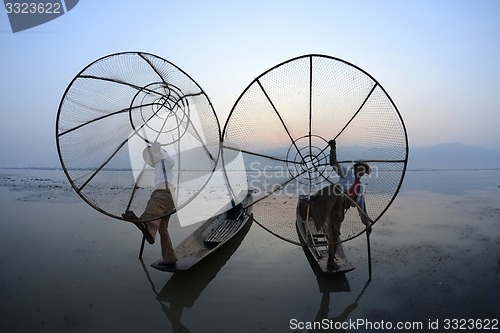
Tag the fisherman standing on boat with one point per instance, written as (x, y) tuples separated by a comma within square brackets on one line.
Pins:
[(331, 202), (352, 195), (160, 202)]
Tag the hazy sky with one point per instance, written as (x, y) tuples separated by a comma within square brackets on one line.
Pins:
[(438, 60)]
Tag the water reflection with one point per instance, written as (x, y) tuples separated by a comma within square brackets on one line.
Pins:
[(324, 307), (332, 283), (183, 288)]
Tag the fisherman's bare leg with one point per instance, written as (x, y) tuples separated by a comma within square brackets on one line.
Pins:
[(156, 206), (334, 222), (167, 205), (167, 250), (161, 202)]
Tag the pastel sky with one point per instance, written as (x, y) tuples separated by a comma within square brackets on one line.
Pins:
[(439, 60)]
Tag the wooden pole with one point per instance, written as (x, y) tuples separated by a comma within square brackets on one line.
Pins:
[(142, 247), (369, 254)]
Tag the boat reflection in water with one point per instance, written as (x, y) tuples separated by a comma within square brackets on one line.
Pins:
[(332, 283), (184, 287)]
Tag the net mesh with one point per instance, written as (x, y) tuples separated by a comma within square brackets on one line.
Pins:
[(116, 107), (282, 124)]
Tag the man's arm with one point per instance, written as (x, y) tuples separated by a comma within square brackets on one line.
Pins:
[(333, 159), (362, 210)]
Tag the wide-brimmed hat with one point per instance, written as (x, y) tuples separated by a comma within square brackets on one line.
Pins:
[(152, 154), (363, 164)]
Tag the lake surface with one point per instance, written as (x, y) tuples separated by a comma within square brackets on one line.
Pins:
[(64, 267)]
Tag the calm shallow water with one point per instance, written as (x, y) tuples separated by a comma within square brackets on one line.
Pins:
[(64, 267)]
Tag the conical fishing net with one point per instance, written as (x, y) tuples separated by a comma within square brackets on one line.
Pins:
[(282, 123), (115, 108)]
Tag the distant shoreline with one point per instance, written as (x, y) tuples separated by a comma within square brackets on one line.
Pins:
[(408, 169)]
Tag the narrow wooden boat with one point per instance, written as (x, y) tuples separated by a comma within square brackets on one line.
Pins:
[(211, 235), (315, 243)]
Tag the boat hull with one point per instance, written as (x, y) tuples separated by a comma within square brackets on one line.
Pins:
[(210, 235)]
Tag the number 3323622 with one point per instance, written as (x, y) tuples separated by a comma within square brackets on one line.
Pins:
[(33, 8)]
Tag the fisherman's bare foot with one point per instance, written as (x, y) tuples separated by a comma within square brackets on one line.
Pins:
[(167, 264), (332, 266), (130, 216), (145, 232)]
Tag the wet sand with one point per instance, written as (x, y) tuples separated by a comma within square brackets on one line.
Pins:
[(64, 267)]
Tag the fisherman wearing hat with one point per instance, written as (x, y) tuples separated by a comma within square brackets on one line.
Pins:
[(160, 202), (331, 202), (353, 196)]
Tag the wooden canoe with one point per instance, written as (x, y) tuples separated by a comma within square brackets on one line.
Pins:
[(210, 235)]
